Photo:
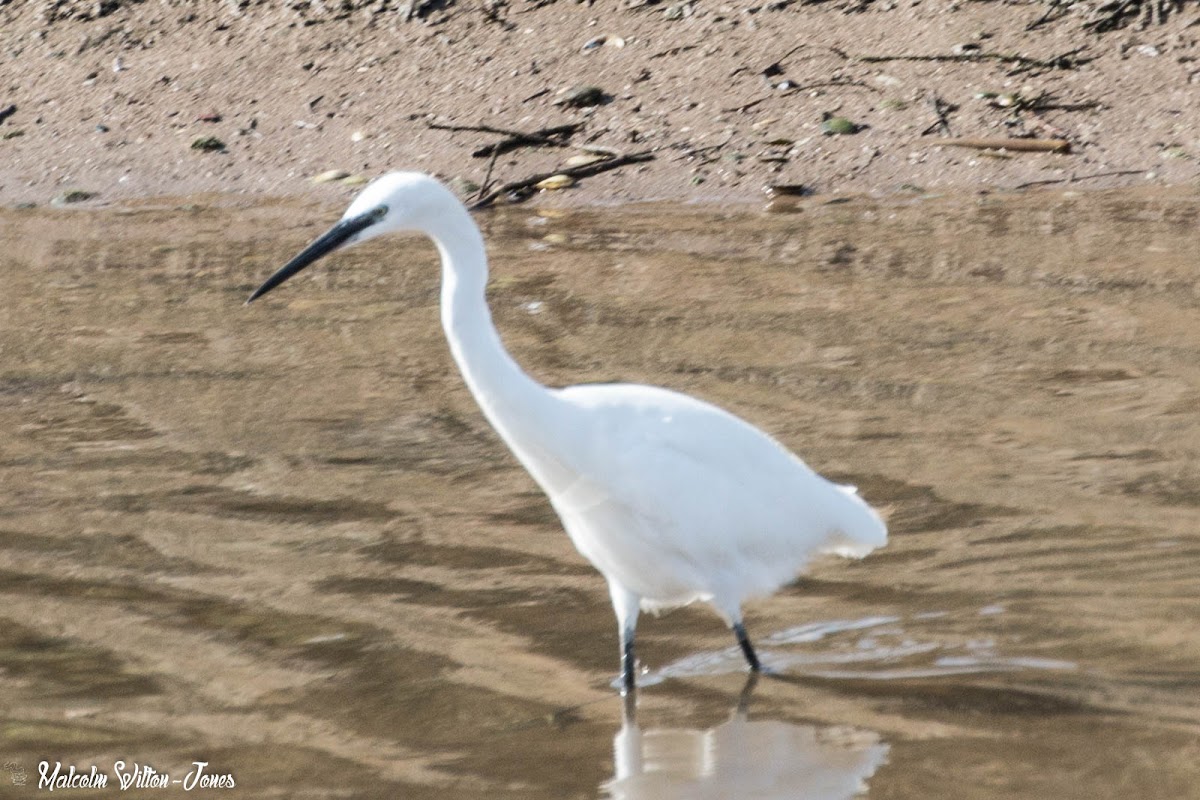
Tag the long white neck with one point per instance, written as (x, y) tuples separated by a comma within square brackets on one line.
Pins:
[(524, 413)]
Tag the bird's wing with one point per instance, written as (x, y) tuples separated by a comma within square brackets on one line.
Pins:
[(710, 487)]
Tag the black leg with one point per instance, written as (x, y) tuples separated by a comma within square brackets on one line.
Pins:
[(629, 708), (628, 663), (747, 649)]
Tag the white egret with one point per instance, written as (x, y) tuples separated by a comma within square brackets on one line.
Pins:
[(672, 499)]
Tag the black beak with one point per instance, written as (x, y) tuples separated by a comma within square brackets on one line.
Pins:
[(329, 241)]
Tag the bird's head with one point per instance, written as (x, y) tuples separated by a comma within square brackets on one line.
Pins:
[(398, 201)]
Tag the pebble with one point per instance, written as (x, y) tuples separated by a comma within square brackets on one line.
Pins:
[(463, 187), (72, 196), (555, 182), (788, 190), (589, 158), (329, 176), (611, 41), (838, 126), (208, 144), (581, 97)]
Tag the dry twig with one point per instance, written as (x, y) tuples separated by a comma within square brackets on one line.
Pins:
[(1011, 145), (1067, 60), (1076, 179), (487, 178), (582, 171), (941, 110), (555, 136)]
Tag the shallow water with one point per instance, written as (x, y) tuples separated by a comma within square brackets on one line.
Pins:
[(282, 540)]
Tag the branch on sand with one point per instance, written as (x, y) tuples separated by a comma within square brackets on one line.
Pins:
[(581, 171), (1067, 60), (1077, 178), (555, 136), (1012, 145)]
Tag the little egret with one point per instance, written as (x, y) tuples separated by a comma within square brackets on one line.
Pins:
[(672, 499)]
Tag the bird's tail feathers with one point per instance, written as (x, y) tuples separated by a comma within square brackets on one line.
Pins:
[(855, 528)]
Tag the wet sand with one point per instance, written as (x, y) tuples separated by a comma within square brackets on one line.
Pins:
[(730, 97), (281, 539)]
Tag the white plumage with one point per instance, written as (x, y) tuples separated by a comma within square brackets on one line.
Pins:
[(679, 500), (672, 499)]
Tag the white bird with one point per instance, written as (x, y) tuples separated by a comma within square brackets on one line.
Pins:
[(672, 499)]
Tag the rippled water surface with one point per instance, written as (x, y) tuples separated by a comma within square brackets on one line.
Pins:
[(281, 539)]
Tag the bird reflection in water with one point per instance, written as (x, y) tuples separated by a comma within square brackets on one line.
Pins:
[(741, 758)]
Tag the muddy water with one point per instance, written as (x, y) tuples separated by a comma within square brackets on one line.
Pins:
[(281, 539)]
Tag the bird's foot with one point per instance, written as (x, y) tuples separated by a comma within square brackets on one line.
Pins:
[(765, 671)]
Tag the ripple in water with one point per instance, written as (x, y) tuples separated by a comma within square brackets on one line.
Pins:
[(875, 647)]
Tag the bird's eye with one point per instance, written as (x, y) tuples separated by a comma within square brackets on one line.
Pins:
[(379, 213)]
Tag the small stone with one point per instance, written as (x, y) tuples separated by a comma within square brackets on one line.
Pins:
[(555, 182), (357, 136), (72, 196), (208, 144), (587, 158), (463, 187), (611, 41), (788, 190), (353, 180), (678, 10), (838, 126), (329, 176), (581, 97)]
